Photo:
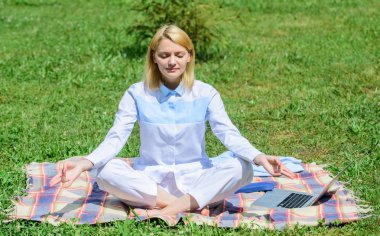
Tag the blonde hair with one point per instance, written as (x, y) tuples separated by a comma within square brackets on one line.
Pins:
[(152, 75)]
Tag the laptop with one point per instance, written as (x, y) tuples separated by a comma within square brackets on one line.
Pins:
[(281, 198)]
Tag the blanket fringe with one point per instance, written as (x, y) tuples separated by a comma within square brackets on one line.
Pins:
[(364, 211), (11, 211), (363, 207)]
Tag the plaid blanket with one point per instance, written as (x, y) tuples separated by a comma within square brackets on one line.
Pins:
[(85, 203)]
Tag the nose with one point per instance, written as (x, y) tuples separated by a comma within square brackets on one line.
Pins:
[(172, 61)]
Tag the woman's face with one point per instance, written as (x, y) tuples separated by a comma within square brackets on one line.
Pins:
[(171, 60)]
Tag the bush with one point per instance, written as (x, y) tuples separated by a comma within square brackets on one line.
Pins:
[(189, 15)]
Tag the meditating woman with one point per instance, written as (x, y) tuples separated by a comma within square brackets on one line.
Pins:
[(173, 173)]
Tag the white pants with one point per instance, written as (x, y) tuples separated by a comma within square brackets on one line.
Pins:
[(206, 186)]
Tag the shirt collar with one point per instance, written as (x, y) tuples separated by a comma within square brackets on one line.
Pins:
[(167, 92)]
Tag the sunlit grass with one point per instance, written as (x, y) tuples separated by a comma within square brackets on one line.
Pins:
[(298, 78)]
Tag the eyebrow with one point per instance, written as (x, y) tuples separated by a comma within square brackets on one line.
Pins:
[(164, 52)]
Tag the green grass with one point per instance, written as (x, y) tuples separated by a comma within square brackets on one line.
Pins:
[(298, 78)]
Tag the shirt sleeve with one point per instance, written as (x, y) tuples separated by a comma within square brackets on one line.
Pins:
[(118, 135), (226, 132)]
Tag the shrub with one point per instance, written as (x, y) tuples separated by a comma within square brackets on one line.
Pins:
[(190, 15)]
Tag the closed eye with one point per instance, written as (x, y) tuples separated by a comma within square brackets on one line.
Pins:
[(166, 55), (163, 56)]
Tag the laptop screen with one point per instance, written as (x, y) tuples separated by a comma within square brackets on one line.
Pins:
[(332, 182)]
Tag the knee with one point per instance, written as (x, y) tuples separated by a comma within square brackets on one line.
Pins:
[(107, 175)]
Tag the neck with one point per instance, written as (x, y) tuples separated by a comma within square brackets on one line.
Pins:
[(172, 85)]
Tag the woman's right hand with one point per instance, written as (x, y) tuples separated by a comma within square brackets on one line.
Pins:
[(68, 171)]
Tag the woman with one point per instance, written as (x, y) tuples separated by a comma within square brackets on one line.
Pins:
[(173, 173)]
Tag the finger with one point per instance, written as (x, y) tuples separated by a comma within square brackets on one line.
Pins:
[(68, 183), (275, 162), (63, 179), (64, 169), (278, 165), (285, 171), (59, 167), (270, 169), (64, 172), (70, 176), (278, 162), (55, 180), (288, 173)]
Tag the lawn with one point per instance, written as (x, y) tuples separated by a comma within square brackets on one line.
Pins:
[(298, 78)]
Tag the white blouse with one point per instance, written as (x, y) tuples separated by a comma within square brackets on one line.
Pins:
[(172, 129)]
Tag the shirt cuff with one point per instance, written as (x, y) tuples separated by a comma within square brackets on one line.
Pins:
[(250, 157), (92, 159)]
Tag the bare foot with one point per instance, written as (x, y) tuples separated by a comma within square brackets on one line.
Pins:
[(146, 213), (205, 211), (150, 213)]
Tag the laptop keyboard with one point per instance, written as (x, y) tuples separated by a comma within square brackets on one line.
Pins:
[(294, 200)]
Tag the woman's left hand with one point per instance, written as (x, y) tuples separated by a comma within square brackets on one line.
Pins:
[(273, 165)]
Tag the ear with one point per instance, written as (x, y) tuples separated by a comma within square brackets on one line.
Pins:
[(189, 58)]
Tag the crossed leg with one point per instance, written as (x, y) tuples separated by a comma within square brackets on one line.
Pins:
[(164, 198), (137, 189), (185, 203)]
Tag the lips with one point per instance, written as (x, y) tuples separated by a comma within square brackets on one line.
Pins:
[(171, 70)]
